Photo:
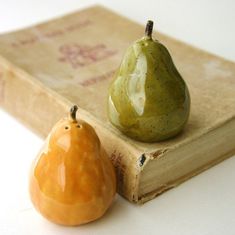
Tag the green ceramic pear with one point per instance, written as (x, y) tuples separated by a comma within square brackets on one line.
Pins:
[(148, 99)]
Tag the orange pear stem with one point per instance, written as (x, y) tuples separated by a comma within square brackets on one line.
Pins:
[(73, 112)]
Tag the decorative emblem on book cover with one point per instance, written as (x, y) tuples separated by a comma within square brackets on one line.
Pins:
[(78, 55)]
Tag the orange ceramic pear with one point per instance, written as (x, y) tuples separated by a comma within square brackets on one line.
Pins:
[(72, 181)]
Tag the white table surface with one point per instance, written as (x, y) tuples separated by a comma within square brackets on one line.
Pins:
[(203, 205)]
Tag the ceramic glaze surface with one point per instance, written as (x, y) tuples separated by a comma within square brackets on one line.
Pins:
[(148, 99), (72, 181)]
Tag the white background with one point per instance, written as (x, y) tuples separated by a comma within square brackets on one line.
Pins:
[(203, 205)]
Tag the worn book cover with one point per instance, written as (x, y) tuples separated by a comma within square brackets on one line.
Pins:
[(46, 68)]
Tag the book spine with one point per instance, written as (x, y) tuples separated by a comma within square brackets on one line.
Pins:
[(39, 108)]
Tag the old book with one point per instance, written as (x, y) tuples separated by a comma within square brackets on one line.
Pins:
[(46, 68)]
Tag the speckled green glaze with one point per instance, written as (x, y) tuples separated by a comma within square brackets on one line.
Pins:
[(148, 99)]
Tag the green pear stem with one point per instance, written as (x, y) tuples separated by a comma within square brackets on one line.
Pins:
[(149, 29), (73, 112)]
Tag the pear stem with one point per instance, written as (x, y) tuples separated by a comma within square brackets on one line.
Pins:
[(149, 29), (73, 112)]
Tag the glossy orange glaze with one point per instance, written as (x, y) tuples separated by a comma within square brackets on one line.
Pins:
[(72, 181)]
